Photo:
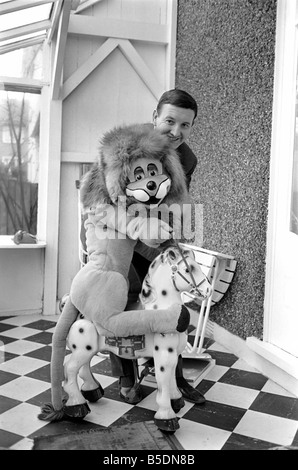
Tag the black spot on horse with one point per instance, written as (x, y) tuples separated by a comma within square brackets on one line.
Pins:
[(170, 350), (164, 292), (162, 369), (81, 330), (88, 347), (156, 348), (146, 293), (73, 346)]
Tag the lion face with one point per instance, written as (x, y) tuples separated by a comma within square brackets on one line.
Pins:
[(147, 182)]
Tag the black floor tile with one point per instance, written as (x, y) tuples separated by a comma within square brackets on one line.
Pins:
[(44, 353), (44, 338), (243, 378), (6, 340), (112, 391), (42, 324), (7, 403), (137, 414), (8, 439), (43, 373), (223, 358), (217, 415), (239, 442), (277, 405), (5, 327), (41, 399), (6, 356), (295, 440), (63, 427), (204, 386), (7, 377)]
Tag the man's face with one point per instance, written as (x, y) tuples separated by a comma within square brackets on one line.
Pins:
[(174, 122)]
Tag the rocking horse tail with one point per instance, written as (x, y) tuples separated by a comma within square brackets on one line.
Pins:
[(54, 411)]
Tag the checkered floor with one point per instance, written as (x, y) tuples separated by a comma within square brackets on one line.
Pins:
[(244, 410)]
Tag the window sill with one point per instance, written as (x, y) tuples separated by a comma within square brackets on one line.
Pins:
[(6, 242)]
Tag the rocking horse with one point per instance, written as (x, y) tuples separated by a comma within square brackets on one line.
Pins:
[(174, 276)]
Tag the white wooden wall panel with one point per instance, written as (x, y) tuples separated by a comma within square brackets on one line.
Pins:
[(68, 227), (108, 80)]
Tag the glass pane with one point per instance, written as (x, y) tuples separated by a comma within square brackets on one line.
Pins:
[(25, 16), (294, 193), (25, 62), (23, 37), (19, 161)]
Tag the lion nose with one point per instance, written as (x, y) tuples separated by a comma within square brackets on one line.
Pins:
[(151, 185)]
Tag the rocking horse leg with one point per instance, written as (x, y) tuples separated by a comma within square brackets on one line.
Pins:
[(76, 405), (165, 360), (83, 343), (91, 388)]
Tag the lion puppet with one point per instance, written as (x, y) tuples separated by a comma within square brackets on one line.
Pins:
[(125, 195)]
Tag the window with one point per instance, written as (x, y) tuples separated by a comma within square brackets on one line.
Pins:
[(19, 149)]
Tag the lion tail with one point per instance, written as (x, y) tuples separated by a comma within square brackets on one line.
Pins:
[(54, 411)]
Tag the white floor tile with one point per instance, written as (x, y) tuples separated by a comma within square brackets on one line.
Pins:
[(98, 358), (106, 411), (22, 420), (105, 380), (23, 388), (51, 330), (231, 395), (196, 436), (22, 365), (22, 319), (216, 373), (241, 364), (20, 332), (23, 444), (21, 346), (149, 403), (267, 427)]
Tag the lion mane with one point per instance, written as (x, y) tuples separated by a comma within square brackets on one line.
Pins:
[(119, 147)]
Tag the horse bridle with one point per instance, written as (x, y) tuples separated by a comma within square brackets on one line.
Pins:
[(175, 270)]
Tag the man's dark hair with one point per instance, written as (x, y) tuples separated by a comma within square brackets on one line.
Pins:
[(179, 98)]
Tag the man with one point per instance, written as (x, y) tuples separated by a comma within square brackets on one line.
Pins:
[(174, 116)]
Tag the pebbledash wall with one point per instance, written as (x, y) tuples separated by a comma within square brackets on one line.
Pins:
[(225, 59)]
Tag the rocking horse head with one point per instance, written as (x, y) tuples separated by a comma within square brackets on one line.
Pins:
[(173, 274)]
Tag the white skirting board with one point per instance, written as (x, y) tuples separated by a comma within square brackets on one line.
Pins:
[(255, 353)]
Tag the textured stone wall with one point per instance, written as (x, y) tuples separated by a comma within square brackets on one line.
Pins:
[(225, 59)]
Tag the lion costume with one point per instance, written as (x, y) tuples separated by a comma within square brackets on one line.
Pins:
[(136, 171)]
